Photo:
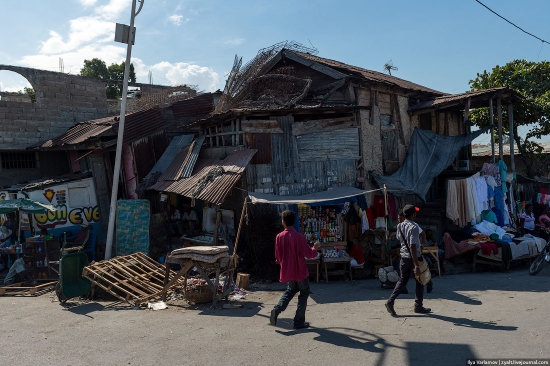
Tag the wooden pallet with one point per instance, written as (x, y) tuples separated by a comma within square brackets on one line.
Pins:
[(133, 278), (29, 288)]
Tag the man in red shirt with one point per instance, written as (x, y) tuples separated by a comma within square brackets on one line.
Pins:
[(291, 249)]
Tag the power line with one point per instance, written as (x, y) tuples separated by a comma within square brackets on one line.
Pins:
[(518, 27)]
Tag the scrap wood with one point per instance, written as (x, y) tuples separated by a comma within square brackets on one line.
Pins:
[(133, 278), (32, 288)]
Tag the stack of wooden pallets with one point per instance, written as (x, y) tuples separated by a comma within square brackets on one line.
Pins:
[(133, 278)]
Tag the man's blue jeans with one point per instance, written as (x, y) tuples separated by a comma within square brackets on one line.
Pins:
[(292, 289)]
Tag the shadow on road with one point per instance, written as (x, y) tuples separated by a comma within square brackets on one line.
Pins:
[(90, 307), (419, 353), (469, 323)]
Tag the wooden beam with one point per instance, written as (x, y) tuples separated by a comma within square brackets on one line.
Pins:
[(499, 113), (226, 134), (322, 125), (261, 126)]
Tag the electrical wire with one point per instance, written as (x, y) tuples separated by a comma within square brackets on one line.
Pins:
[(518, 27)]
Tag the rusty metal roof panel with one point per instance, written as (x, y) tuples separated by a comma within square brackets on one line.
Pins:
[(137, 125), (78, 133), (366, 74), (214, 190), (200, 105)]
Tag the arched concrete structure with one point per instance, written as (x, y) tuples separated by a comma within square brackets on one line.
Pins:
[(61, 101)]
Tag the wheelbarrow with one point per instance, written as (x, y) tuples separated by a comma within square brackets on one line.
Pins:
[(71, 283)]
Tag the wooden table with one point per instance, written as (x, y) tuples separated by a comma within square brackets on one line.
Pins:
[(220, 266), (345, 261)]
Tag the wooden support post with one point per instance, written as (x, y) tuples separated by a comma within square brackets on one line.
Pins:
[(218, 220), (511, 124), (211, 139), (499, 113), (466, 112), (233, 130), (492, 122), (234, 255)]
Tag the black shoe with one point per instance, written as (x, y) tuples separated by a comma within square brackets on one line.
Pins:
[(404, 291), (422, 310), (301, 326), (390, 309), (429, 286), (273, 317)]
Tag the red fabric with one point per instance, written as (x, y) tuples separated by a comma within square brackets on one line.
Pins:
[(357, 254), (453, 248), (370, 217), (487, 248), (290, 249), (379, 206), (392, 207)]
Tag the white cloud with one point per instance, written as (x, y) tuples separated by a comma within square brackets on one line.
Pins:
[(176, 19), (235, 41), (185, 73), (88, 2), (92, 36)]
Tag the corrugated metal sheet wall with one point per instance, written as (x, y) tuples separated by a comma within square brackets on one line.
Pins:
[(341, 144), (315, 163)]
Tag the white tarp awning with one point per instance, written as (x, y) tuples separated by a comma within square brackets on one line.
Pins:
[(332, 194)]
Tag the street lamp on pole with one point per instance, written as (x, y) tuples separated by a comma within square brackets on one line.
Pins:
[(123, 34)]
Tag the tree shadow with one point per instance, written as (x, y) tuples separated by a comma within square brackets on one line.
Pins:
[(355, 339)]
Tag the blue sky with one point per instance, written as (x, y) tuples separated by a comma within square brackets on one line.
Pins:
[(441, 44)]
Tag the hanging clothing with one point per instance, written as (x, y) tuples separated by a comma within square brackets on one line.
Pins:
[(370, 217), (379, 206), (452, 201), (482, 193), (502, 170)]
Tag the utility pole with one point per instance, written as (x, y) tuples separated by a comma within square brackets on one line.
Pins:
[(123, 34)]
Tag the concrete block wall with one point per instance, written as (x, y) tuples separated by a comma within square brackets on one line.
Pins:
[(61, 101)]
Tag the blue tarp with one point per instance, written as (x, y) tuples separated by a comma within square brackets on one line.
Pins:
[(428, 155)]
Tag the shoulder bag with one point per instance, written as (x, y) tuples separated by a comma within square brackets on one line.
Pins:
[(425, 274)]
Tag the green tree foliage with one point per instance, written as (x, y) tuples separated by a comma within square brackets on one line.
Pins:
[(97, 68), (532, 80), (29, 92)]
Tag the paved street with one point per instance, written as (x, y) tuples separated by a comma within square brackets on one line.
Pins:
[(482, 315)]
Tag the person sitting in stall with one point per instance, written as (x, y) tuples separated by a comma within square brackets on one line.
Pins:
[(189, 219), (174, 221), (355, 252), (18, 271), (527, 220)]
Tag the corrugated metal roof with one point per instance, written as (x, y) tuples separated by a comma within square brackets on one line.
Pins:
[(216, 190), (137, 125), (485, 150), (173, 172), (366, 74), (171, 151), (476, 95), (41, 183), (201, 105), (192, 159)]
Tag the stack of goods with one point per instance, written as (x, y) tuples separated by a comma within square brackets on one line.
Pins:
[(320, 224)]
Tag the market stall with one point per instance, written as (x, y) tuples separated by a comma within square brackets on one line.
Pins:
[(35, 247), (335, 216), (487, 205)]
